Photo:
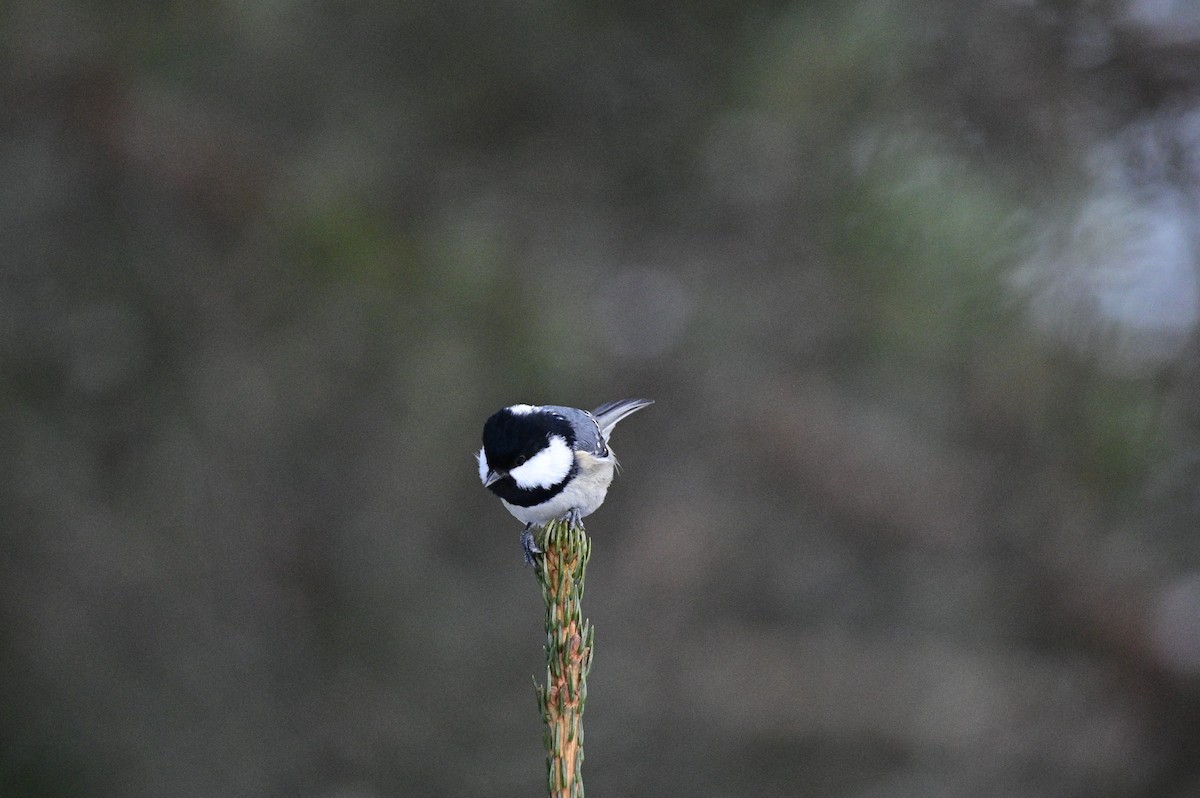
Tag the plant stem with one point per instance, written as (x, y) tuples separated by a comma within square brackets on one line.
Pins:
[(560, 571)]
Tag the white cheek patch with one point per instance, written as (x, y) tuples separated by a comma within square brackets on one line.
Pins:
[(548, 467), (484, 468)]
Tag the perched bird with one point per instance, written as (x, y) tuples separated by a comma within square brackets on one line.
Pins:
[(548, 462)]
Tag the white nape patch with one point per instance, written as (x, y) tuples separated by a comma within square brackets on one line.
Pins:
[(548, 467), (484, 468), (521, 410)]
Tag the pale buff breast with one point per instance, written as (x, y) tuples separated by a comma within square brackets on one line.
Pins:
[(585, 493)]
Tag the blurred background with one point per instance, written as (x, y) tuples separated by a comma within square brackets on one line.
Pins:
[(914, 285)]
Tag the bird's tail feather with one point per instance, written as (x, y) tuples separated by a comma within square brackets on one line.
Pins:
[(608, 415)]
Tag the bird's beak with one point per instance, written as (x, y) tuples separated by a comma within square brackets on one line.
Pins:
[(492, 478)]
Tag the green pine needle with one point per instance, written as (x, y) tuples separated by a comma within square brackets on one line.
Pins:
[(560, 571)]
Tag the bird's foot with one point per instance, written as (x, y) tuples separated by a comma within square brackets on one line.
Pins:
[(528, 545), (574, 518)]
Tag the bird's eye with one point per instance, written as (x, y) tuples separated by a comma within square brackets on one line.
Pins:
[(521, 460)]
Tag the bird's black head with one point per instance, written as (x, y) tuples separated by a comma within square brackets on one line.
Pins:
[(527, 454)]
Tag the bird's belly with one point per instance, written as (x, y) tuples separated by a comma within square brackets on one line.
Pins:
[(584, 493)]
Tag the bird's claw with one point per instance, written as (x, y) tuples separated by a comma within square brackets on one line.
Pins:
[(528, 545)]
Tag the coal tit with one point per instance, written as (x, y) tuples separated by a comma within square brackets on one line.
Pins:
[(548, 462)]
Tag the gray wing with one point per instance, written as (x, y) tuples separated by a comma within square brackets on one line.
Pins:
[(587, 431)]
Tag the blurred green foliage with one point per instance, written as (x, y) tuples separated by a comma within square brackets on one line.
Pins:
[(901, 513)]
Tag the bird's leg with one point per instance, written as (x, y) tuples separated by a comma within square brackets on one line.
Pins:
[(528, 546), (574, 518)]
